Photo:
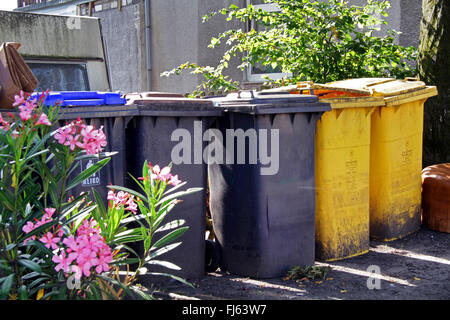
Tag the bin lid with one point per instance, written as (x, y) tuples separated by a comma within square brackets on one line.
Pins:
[(103, 111), (392, 91), (397, 92), (360, 85), (177, 107), (271, 102), (130, 97), (82, 98)]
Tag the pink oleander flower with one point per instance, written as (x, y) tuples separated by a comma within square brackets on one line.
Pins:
[(71, 142), (19, 99), (49, 211), (62, 261), (25, 106), (28, 239), (71, 243), (43, 119), (4, 124), (85, 137), (131, 205), (163, 175), (154, 172), (25, 115), (86, 252), (50, 240), (160, 174), (122, 199), (174, 180), (62, 134), (28, 227), (88, 132)]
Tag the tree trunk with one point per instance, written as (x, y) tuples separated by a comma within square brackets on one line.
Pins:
[(434, 69)]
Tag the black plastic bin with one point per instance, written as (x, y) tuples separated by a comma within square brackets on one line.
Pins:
[(264, 223), (149, 138), (114, 119)]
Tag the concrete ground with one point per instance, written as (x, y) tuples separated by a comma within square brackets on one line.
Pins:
[(416, 267)]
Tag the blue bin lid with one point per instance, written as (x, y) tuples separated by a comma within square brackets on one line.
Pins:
[(83, 98)]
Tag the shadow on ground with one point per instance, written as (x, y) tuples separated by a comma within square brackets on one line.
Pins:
[(415, 267)]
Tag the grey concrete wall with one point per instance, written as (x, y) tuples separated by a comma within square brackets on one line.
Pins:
[(52, 36), (175, 40), (212, 28), (178, 36), (123, 36)]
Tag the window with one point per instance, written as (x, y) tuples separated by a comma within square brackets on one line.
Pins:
[(257, 72), (60, 76)]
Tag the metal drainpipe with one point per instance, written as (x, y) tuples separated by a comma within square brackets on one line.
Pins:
[(148, 41)]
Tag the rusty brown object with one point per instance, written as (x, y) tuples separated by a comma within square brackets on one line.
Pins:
[(91, 5), (436, 197), (15, 74)]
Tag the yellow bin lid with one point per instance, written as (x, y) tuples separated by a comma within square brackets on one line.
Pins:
[(391, 91), (359, 87), (403, 91)]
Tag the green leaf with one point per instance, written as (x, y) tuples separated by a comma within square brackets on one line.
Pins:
[(117, 283), (178, 194), (6, 286), (22, 293), (147, 243), (100, 204), (166, 264), (87, 173), (173, 277), (169, 237), (40, 246), (142, 294), (171, 225), (30, 265), (162, 251)]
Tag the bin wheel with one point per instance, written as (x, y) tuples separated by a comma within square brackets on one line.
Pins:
[(212, 256)]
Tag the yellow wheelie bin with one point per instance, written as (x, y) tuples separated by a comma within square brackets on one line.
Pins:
[(342, 158), (396, 158)]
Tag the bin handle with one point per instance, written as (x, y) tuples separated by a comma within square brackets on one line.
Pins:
[(252, 95), (411, 79)]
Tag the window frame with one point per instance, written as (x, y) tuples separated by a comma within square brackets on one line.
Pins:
[(259, 77)]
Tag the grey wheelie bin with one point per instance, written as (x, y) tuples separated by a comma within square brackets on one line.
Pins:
[(163, 125), (262, 196)]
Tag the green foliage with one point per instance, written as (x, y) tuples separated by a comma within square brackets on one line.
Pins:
[(313, 41), (309, 272), (36, 171), (213, 81)]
